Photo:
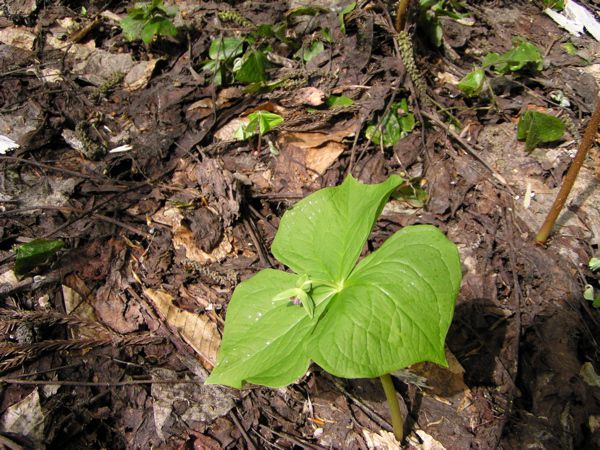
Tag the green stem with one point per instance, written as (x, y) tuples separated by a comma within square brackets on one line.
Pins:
[(571, 176), (392, 400)]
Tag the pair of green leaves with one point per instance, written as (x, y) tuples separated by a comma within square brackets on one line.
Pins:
[(522, 56), (367, 318), (148, 19), (395, 124), (227, 56), (537, 128), (260, 122)]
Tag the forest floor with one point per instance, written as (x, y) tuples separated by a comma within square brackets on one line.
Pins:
[(127, 154)]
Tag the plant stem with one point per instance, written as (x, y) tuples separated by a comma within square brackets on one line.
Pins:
[(392, 400), (401, 8), (571, 176)]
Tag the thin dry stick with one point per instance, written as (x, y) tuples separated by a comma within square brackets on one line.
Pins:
[(570, 177)]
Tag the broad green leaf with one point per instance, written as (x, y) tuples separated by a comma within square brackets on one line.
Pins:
[(391, 309), (323, 234), (225, 48), (347, 10), (472, 83), (523, 55), (251, 68), (34, 253), (537, 128), (594, 264), (149, 31), (260, 122), (132, 28), (394, 310), (265, 338), (338, 101)]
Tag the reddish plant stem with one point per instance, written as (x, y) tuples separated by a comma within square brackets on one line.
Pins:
[(570, 177)]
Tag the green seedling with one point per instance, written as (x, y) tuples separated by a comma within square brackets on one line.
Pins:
[(537, 128), (35, 253), (260, 122), (342, 15), (429, 17), (149, 19), (355, 318), (396, 123), (523, 56), (472, 84), (228, 59)]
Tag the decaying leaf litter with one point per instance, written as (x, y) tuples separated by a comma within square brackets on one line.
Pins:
[(126, 154)]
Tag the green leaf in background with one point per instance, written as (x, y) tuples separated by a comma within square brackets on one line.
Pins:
[(338, 101), (314, 49), (365, 319), (569, 48), (347, 10), (225, 48), (537, 128), (148, 19), (396, 124), (594, 264), (557, 5), (472, 84), (35, 253), (251, 68), (260, 122), (523, 55)]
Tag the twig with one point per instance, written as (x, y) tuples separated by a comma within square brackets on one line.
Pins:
[(401, 9), (94, 383), (249, 442), (467, 147), (569, 179)]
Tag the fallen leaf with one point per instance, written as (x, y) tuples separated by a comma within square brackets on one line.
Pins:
[(20, 37), (139, 75), (384, 440), (26, 418), (197, 330)]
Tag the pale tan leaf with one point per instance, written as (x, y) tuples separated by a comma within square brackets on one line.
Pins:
[(197, 330)]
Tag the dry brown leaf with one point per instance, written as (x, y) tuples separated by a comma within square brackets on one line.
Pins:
[(139, 75), (197, 330), (309, 96), (20, 37), (184, 239), (77, 305), (384, 440)]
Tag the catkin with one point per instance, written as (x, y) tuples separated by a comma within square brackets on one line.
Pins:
[(408, 59)]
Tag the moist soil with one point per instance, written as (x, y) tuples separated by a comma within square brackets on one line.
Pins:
[(126, 153)]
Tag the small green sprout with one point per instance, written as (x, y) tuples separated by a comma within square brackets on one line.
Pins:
[(472, 84), (260, 122), (395, 124), (149, 19)]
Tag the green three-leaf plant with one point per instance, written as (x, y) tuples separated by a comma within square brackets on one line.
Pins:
[(356, 319)]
